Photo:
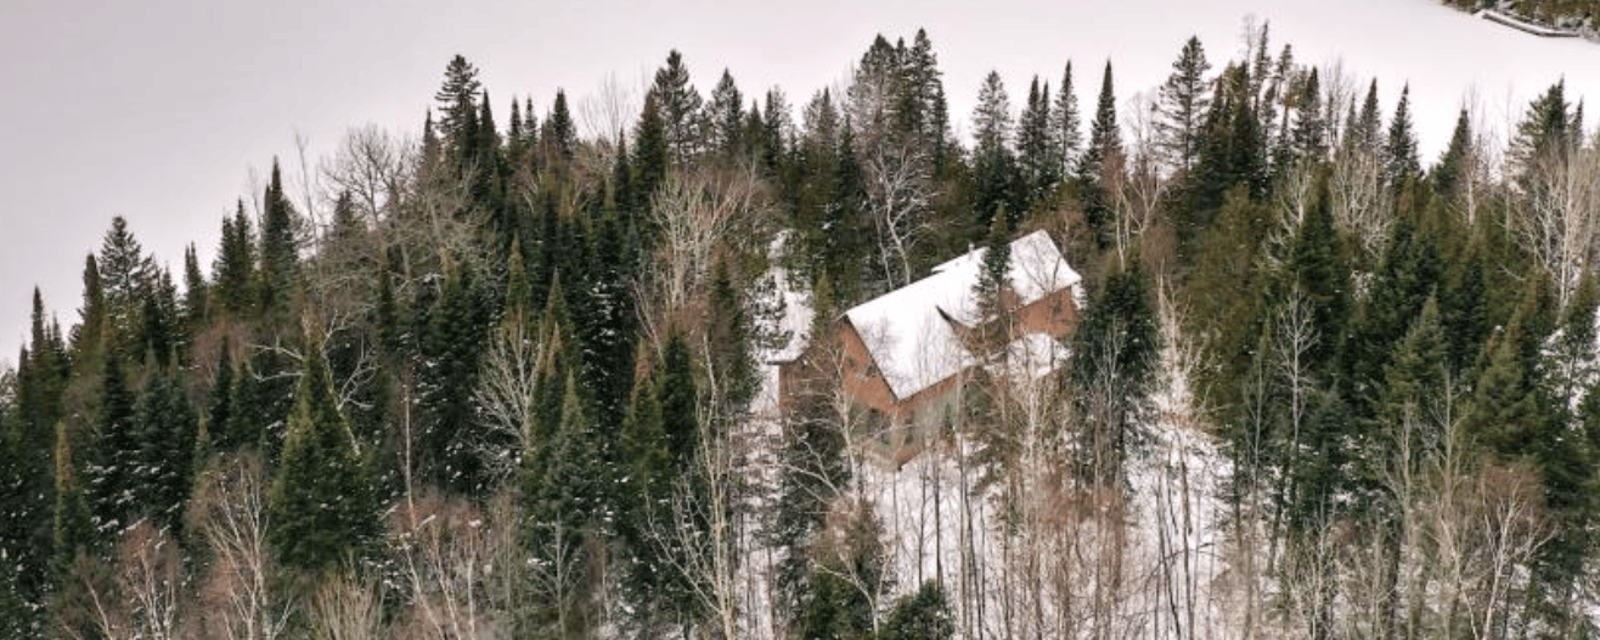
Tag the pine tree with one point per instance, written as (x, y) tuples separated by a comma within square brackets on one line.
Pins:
[(1364, 129), (994, 274), (320, 502), (126, 274), (567, 510), (1182, 105), (458, 105), (560, 134), (195, 292), (167, 431), (1544, 132), (725, 116), (219, 405), (112, 477), (994, 163), (921, 615), (1451, 172), (1037, 147), (233, 271), (1310, 136), (88, 337), (1105, 145), (680, 107), (1066, 123), (651, 149), (1112, 371), (1400, 154), (279, 251)]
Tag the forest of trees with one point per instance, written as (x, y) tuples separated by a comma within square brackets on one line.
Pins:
[(502, 379), (1569, 13)]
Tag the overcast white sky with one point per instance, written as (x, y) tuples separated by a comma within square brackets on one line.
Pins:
[(161, 110)]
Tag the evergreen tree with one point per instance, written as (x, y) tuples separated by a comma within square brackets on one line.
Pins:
[(1066, 123), (1182, 104), (568, 510), (994, 164), (458, 106), (126, 274), (88, 337), (1112, 372), (233, 271), (1450, 174), (320, 503), (920, 615), (1364, 129), (451, 351), (560, 134), (73, 530), (680, 108), (167, 430), (1105, 145), (279, 251), (651, 149), (725, 117), (1543, 133), (1310, 135), (1400, 154), (1037, 147), (994, 274), (113, 476), (219, 406)]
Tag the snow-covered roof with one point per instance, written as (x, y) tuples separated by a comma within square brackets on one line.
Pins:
[(906, 331)]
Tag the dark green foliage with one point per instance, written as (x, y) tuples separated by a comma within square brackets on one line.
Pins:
[(263, 395), (1184, 99), (320, 503), (680, 106), (1451, 172), (1105, 145), (568, 512), (994, 273), (1037, 148), (127, 275), (1400, 154), (234, 269), (998, 180), (112, 475), (651, 151), (219, 404), (1066, 123), (1113, 371), (458, 107), (196, 299), (1310, 135), (166, 428), (1543, 134), (920, 615), (730, 339), (279, 251), (452, 350)]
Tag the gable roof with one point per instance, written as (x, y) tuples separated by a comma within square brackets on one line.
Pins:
[(905, 330)]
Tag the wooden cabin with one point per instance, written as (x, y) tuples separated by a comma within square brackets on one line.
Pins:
[(900, 358)]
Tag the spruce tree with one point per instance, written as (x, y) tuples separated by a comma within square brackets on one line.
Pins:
[(680, 106), (1037, 147), (1112, 371), (1451, 172), (1105, 145), (1066, 123), (725, 117), (1182, 104), (112, 477), (994, 163), (458, 104), (1310, 135), (279, 251), (167, 431), (1400, 154), (320, 502)]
